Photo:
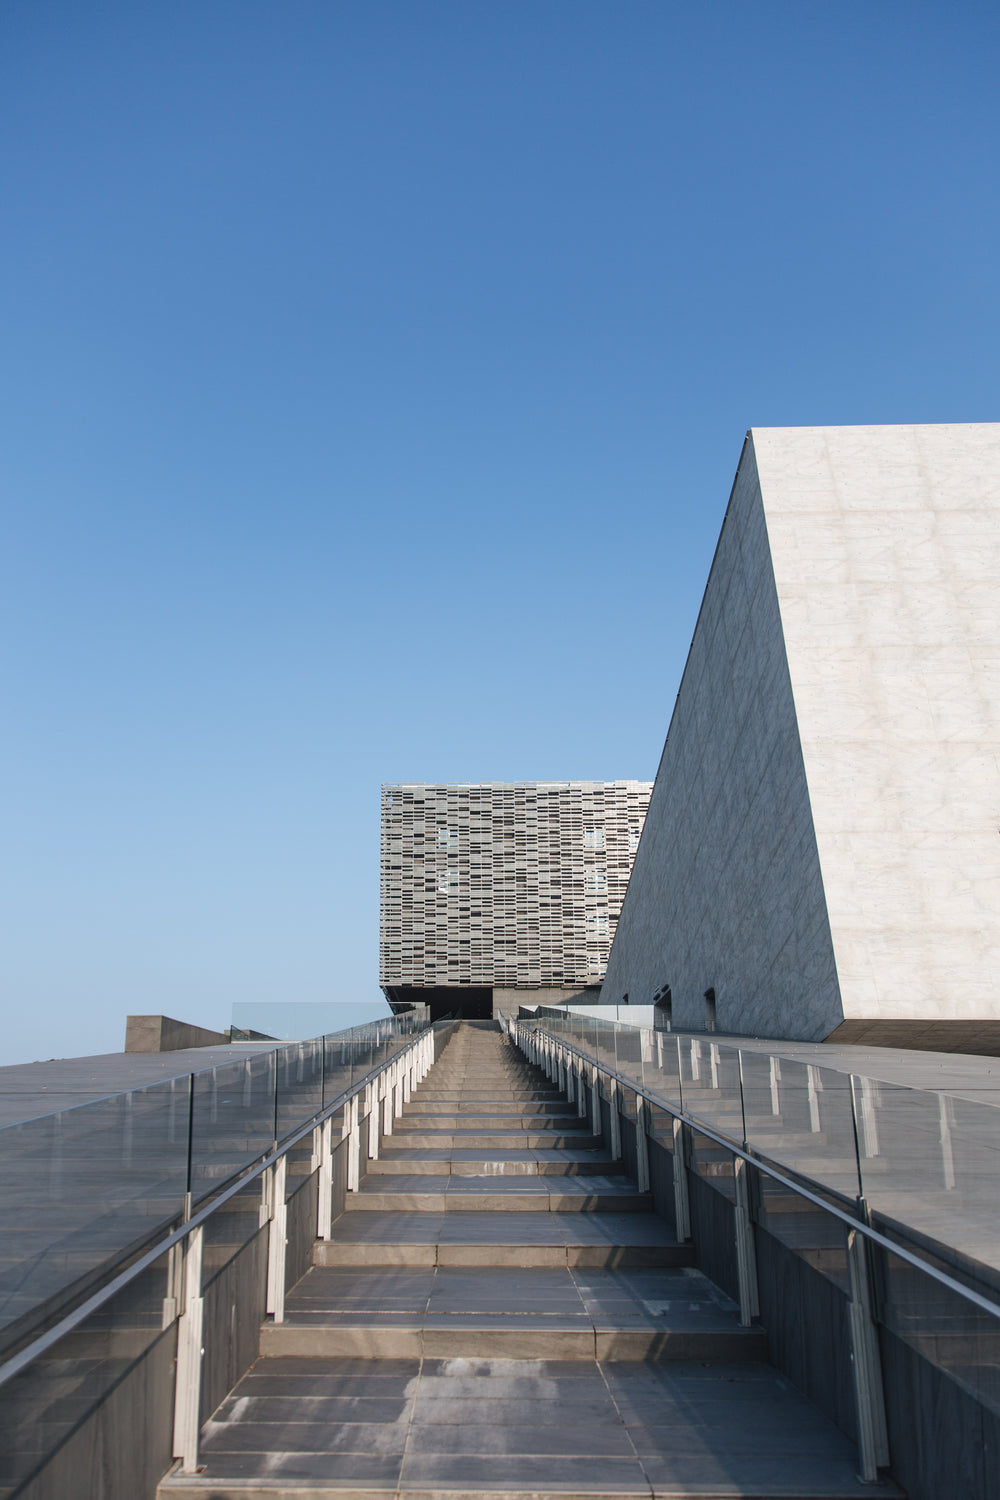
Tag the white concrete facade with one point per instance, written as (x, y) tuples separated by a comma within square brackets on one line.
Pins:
[(823, 841)]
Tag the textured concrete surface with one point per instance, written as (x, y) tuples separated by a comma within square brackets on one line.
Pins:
[(822, 842), (886, 550), (726, 889), (507, 1002), (164, 1034)]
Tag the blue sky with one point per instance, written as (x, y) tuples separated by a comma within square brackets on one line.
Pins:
[(373, 378)]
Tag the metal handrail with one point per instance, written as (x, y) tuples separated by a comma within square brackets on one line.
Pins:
[(854, 1223), (45, 1341)]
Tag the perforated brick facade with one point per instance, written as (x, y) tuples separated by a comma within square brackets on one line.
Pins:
[(510, 885)]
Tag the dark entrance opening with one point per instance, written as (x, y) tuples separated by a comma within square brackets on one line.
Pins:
[(465, 1002)]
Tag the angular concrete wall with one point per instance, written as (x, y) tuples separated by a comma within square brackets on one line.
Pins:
[(164, 1034), (726, 888), (822, 844)]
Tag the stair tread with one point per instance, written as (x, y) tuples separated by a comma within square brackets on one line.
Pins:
[(404, 1182), (670, 1299), (508, 1228), (495, 1427)]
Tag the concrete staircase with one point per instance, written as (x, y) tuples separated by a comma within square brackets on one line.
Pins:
[(500, 1313)]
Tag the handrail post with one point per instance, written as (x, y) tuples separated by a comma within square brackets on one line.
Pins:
[(641, 1145), (352, 1131), (371, 1115), (746, 1253), (175, 1283), (190, 1352), (277, 1243), (682, 1203), (386, 1087), (324, 1214), (614, 1098), (595, 1103), (866, 1364)]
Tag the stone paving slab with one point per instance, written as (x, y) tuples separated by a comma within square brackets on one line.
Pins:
[(521, 1240), (515, 1140), (461, 1162), (495, 1427), (673, 1314)]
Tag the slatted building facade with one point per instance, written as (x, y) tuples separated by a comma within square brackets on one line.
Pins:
[(513, 886)]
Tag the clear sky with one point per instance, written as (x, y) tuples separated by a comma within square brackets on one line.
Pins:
[(372, 380)]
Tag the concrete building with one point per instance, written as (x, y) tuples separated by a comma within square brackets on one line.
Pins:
[(822, 850), (493, 891)]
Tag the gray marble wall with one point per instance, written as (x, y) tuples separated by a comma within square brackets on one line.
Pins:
[(726, 889), (823, 840), (885, 543)]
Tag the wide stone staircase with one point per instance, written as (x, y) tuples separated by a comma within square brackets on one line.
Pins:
[(500, 1312)]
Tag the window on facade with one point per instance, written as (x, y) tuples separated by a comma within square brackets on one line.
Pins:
[(593, 838), (447, 838), (633, 840), (597, 927), (596, 880), (448, 882)]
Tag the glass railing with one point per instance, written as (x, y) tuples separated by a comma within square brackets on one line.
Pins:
[(86, 1184), (924, 1161)]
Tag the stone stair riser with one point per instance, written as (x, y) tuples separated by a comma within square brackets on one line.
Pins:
[(285, 1339), (523, 1256), (503, 1141), (512, 1202), (388, 1166)]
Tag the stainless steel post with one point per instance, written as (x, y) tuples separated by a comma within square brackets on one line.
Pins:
[(190, 1352)]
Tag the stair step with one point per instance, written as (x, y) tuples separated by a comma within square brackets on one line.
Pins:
[(481, 1107), (448, 1312), (533, 1239), (541, 1096), (435, 1194), (501, 1164), (513, 1140), (492, 1428), (471, 1120)]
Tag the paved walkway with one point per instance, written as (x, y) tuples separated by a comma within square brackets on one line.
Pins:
[(501, 1313)]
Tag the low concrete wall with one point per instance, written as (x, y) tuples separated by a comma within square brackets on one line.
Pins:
[(506, 1001), (443, 1033), (164, 1034)]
